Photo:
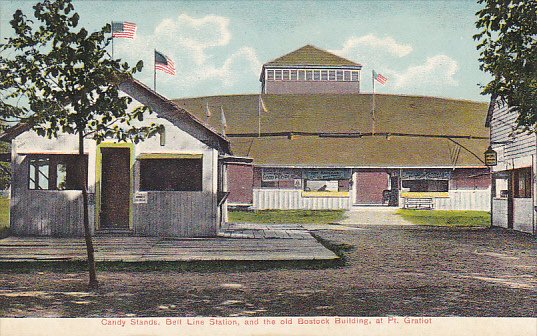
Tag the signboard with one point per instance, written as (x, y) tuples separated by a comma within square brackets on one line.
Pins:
[(140, 197), (491, 157), (280, 174), (288, 174), (327, 174), (421, 174)]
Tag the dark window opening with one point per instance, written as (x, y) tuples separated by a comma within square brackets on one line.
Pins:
[(269, 184), (55, 172), (522, 183), (171, 175), (426, 185)]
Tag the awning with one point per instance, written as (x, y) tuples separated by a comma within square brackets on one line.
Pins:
[(235, 159)]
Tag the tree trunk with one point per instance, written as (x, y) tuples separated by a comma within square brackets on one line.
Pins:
[(93, 283)]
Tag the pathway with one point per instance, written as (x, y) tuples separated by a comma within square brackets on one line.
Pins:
[(371, 215)]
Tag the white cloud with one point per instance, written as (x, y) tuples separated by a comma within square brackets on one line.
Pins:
[(406, 71), (240, 64), (366, 44), (437, 71), (201, 52), (195, 34)]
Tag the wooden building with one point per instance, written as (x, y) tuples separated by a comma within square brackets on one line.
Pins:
[(513, 178), (310, 70), (315, 143), (318, 151), (169, 185)]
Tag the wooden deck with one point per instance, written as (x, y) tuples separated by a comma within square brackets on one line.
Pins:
[(269, 245)]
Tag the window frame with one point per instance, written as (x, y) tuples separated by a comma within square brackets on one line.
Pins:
[(340, 186), (293, 75), (278, 75), (270, 74), (331, 75), (52, 162), (524, 190), (149, 186), (426, 182)]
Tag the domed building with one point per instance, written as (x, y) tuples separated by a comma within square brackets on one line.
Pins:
[(317, 142)]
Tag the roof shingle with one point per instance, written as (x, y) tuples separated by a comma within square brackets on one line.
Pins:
[(311, 55), (432, 119)]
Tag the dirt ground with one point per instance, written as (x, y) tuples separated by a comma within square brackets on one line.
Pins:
[(398, 270)]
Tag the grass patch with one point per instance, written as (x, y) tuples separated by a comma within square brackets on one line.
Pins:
[(451, 218), (287, 216), (4, 217)]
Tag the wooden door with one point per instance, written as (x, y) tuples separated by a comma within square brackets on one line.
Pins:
[(370, 186), (115, 188)]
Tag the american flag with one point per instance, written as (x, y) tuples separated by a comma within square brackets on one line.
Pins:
[(123, 29), (164, 63), (379, 78)]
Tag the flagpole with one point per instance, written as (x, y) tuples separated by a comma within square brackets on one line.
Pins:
[(112, 30), (373, 105), (224, 122), (155, 70), (259, 116)]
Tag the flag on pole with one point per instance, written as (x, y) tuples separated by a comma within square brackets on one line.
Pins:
[(123, 29), (207, 111), (379, 78), (262, 105), (164, 63), (223, 120)]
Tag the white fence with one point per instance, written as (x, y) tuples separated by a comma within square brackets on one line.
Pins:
[(523, 215), (464, 200), (288, 199), (499, 212)]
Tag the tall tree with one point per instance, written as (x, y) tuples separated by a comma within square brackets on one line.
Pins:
[(58, 78), (508, 51)]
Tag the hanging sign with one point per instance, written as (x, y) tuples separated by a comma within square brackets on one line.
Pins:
[(491, 157)]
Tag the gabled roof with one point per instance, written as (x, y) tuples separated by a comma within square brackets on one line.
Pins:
[(157, 102), (311, 55), (174, 114), (335, 129), (12, 132), (493, 101)]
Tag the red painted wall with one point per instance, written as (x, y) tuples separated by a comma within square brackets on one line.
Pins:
[(369, 186), (304, 87), (470, 179), (240, 179)]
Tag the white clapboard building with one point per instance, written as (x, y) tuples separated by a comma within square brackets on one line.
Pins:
[(169, 185)]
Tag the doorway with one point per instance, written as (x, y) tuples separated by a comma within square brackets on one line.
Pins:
[(115, 188), (370, 186)]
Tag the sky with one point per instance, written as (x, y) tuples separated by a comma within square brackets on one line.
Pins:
[(423, 47)]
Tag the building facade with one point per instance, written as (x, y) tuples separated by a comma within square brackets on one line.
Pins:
[(310, 70), (169, 185), (318, 151), (513, 178), (316, 145)]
